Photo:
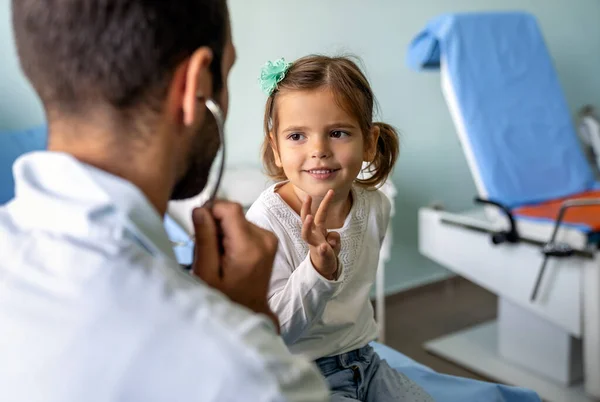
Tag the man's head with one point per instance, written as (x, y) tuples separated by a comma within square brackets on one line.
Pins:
[(141, 62)]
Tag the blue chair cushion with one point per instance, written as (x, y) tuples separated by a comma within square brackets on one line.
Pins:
[(515, 114), (12, 145), (448, 388)]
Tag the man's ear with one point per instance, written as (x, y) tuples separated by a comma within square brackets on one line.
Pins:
[(273, 144), (371, 144), (197, 83)]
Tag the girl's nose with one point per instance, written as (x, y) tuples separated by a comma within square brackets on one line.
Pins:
[(321, 149)]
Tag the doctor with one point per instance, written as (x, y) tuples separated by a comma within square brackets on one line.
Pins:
[(93, 306)]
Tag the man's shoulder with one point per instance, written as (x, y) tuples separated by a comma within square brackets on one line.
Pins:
[(227, 344), (6, 221), (141, 290), (170, 335)]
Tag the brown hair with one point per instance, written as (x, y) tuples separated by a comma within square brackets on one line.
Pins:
[(120, 52), (353, 93)]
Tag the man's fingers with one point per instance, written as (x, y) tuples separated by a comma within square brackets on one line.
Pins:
[(206, 252), (321, 215), (231, 219), (268, 239)]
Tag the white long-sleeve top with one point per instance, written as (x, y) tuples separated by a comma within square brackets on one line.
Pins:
[(95, 308), (320, 317)]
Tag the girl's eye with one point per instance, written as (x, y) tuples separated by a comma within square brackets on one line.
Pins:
[(295, 137), (339, 134)]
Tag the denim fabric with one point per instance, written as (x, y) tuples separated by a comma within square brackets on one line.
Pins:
[(360, 375)]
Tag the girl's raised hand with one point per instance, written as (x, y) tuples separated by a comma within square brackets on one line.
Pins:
[(324, 247)]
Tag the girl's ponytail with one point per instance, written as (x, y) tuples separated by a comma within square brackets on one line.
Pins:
[(386, 154)]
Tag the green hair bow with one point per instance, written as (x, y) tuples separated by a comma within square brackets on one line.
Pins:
[(272, 73)]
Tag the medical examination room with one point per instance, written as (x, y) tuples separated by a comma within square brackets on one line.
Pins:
[(343, 200)]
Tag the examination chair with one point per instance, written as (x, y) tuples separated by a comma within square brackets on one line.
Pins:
[(532, 237)]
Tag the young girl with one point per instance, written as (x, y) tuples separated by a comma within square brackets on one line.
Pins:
[(330, 222)]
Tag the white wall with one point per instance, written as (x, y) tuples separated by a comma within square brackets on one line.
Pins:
[(19, 106)]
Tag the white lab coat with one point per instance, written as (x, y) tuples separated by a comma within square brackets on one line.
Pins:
[(94, 307)]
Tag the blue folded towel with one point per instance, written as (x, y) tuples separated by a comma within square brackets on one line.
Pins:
[(510, 100)]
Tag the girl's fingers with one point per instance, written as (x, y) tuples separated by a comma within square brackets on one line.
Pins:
[(321, 215), (306, 205)]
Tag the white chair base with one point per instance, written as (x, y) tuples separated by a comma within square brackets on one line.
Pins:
[(545, 338), (477, 349), (535, 344)]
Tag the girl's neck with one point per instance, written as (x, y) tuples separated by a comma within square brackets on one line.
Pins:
[(338, 210)]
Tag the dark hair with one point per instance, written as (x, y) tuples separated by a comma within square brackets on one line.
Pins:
[(123, 53), (353, 93)]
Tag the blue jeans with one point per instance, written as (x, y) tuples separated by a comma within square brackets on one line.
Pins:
[(360, 375)]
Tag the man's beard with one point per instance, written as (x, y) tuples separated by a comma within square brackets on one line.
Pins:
[(204, 149)]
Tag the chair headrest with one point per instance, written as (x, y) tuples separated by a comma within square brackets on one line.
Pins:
[(507, 104)]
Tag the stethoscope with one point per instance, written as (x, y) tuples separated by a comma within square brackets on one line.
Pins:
[(211, 188)]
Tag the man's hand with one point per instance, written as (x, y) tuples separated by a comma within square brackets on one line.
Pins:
[(247, 261), (324, 247)]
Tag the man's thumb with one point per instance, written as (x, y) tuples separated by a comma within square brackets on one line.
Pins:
[(206, 253)]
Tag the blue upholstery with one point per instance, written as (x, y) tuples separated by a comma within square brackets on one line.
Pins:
[(185, 250), (509, 97), (12, 145), (448, 388)]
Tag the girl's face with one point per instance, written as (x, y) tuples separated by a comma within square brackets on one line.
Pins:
[(318, 145)]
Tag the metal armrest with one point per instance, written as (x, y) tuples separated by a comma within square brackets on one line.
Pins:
[(553, 249), (512, 235)]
